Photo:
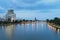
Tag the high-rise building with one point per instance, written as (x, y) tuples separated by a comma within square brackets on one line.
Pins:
[(10, 16), (35, 19)]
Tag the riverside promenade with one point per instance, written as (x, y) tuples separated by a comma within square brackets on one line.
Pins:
[(53, 25)]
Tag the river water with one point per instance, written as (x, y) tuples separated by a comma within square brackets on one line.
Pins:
[(29, 31)]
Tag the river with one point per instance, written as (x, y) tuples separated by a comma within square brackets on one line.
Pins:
[(29, 31)]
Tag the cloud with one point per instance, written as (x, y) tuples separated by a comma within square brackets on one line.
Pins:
[(1, 8), (30, 4), (50, 1), (26, 14), (32, 8), (40, 14), (33, 2)]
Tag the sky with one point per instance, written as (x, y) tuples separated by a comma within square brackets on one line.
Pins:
[(29, 9)]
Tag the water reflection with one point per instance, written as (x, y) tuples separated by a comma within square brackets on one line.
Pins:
[(32, 26), (54, 29), (30, 31), (42, 25), (9, 30)]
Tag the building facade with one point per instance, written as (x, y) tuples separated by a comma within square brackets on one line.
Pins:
[(10, 16)]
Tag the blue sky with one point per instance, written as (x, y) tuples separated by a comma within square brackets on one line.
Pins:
[(29, 9)]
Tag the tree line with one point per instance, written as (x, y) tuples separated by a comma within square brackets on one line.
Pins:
[(56, 21)]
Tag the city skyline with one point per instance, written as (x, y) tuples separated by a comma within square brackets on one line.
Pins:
[(29, 9)]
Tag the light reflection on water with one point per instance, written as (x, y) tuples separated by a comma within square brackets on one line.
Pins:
[(54, 29), (29, 31)]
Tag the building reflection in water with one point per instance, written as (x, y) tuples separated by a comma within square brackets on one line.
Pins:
[(32, 26), (54, 29), (9, 30), (28, 26), (36, 24), (42, 25)]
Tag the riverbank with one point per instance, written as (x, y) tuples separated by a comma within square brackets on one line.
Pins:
[(17, 22), (53, 25)]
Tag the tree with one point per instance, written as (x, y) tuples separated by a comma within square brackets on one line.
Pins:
[(47, 20)]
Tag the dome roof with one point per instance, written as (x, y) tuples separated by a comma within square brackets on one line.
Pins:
[(10, 11)]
